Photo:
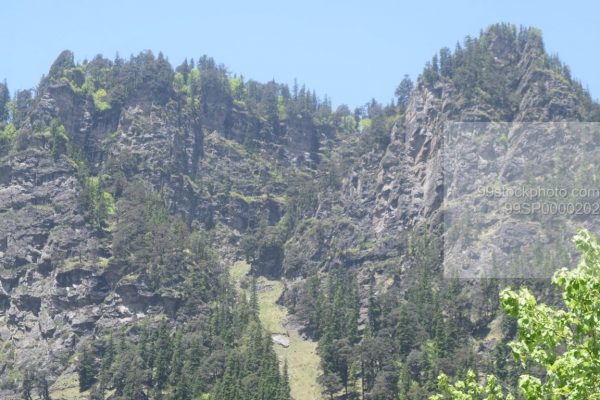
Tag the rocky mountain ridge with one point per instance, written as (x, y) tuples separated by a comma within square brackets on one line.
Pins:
[(257, 171)]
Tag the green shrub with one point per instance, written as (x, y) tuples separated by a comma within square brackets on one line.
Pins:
[(7, 138), (101, 100)]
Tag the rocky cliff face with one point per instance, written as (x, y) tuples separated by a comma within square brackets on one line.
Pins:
[(60, 279), (46, 301), (540, 94), (294, 195), (393, 193)]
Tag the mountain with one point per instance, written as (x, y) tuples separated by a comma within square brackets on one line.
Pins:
[(133, 193)]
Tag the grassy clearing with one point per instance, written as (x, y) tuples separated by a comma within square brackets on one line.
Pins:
[(66, 387), (239, 270), (301, 355)]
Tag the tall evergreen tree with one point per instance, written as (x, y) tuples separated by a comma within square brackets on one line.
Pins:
[(4, 100), (177, 359), (86, 369), (42, 387), (162, 345), (27, 385), (284, 391), (254, 297), (403, 92)]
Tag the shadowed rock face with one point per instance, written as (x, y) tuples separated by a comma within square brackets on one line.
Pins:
[(60, 278), (28, 303)]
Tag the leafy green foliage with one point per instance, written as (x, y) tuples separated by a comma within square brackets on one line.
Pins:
[(471, 389), (375, 123), (7, 138), (100, 97), (60, 139), (365, 124), (561, 342), (99, 204)]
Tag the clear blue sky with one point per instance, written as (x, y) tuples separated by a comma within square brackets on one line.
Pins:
[(350, 50)]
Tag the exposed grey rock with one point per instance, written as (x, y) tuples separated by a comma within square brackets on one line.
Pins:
[(47, 325), (281, 340)]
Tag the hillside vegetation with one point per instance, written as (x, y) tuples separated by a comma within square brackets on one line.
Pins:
[(166, 230)]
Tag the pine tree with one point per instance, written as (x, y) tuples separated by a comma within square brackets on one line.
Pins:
[(133, 388), (183, 389), (176, 359), (311, 305), (229, 387), (106, 364), (405, 330), (445, 62), (163, 356), (337, 323), (42, 386), (284, 387), (121, 365), (374, 311), (352, 312), (97, 392), (254, 298), (403, 92), (4, 100), (23, 100), (142, 350), (331, 384), (27, 386), (86, 369)]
